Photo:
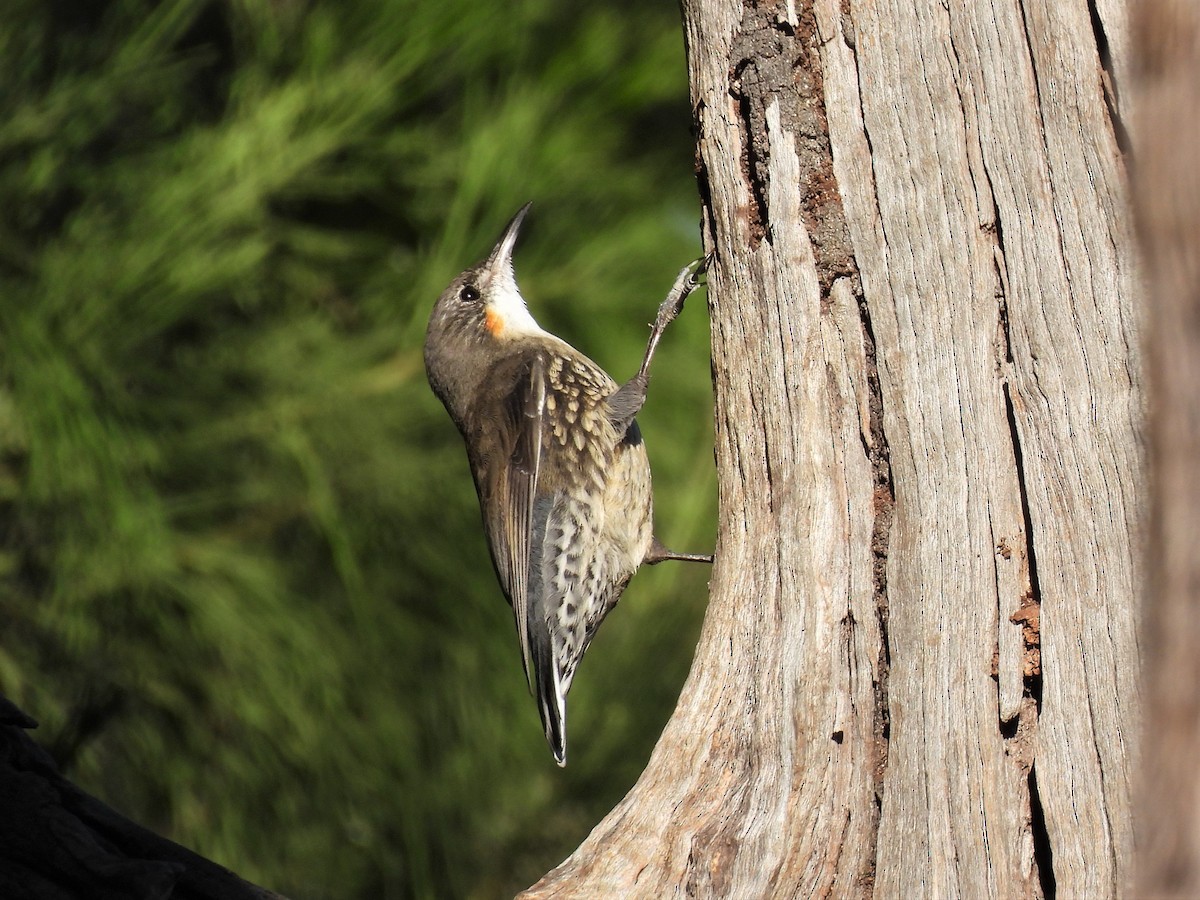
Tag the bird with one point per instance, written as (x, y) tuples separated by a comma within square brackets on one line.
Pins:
[(558, 462)]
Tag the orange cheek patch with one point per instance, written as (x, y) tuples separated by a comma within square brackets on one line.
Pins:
[(493, 322)]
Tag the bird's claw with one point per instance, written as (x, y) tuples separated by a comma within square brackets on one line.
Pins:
[(697, 270), (690, 277)]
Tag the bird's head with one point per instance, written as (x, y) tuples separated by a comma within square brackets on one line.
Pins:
[(475, 317)]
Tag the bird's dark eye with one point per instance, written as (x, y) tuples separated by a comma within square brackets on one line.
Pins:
[(469, 294)]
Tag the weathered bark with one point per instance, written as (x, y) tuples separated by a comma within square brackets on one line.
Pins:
[(1167, 179), (917, 676)]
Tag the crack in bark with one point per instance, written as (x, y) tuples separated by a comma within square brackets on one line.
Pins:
[(704, 188), (1029, 614), (884, 501), (1021, 733), (755, 154), (1109, 81), (1043, 852)]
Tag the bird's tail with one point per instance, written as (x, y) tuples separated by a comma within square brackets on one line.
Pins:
[(551, 694)]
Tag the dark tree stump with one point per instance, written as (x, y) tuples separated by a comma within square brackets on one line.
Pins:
[(58, 842)]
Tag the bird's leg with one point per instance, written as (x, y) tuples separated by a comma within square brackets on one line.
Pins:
[(686, 281), (658, 553), (628, 400)]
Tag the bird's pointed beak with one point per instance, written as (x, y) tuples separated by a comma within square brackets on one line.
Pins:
[(501, 256)]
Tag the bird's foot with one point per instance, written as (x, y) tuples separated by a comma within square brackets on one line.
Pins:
[(689, 278)]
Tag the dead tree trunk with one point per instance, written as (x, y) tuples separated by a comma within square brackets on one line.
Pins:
[(1168, 207), (917, 676)]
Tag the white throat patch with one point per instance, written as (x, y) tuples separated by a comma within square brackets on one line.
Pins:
[(507, 315)]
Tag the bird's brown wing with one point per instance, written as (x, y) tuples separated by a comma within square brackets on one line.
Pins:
[(512, 491)]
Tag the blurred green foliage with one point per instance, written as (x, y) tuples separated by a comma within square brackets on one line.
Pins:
[(245, 588)]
